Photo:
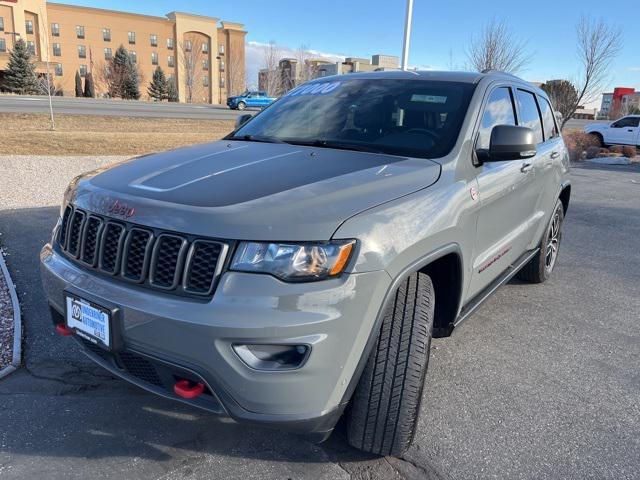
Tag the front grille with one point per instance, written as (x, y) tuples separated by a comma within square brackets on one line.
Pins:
[(92, 231), (161, 260)]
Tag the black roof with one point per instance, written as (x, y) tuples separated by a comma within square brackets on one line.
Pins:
[(445, 76)]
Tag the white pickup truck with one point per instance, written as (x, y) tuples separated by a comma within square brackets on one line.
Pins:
[(625, 131)]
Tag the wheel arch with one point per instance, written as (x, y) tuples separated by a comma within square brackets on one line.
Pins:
[(565, 195), (445, 263)]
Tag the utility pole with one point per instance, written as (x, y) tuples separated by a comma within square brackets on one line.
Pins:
[(407, 35)]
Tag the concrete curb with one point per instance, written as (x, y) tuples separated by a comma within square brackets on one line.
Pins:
[(17, 321)]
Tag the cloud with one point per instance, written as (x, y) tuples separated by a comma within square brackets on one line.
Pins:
[(254, 57), (634, 69)]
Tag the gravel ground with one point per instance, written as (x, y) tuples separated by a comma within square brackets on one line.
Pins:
[(6, 323), (541, 382)]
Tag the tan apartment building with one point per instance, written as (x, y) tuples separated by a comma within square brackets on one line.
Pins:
[(290, 72), (204, 56)]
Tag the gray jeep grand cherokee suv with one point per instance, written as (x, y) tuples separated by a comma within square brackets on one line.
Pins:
[(297, 269)]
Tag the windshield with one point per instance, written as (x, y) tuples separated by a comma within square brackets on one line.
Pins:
[(418, 118)]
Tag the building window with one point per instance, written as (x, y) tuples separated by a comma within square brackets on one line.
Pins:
[(57, 50), (154, 40), (221, 82), (222, 65), (106, 34), (79, 31), (133, 56), (3, 45), (108, 55), (55, 29), (221, 49), (154, 58), (205, 64), (58, 69), (170, 61), (187, 46), (205, 81), (28, 25), (82, 51), (1, 24), (31, 46), (205, 47), (170, 43), (83, 70), (132, 38)]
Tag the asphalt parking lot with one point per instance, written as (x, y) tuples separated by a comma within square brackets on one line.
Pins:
[(542, 382)]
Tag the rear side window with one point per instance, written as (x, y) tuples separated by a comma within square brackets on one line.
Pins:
[(627, 122), (498, 111), (548, 120), (529, 114)]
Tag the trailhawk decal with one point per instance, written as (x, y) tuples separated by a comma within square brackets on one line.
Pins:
[(494, 259)]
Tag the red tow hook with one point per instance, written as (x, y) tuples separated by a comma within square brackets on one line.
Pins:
[(187, 389), (63, 330)]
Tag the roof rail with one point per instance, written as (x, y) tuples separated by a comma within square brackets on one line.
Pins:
[(500, 72)]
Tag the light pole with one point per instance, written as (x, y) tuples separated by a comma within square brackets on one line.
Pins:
[(407, 35)]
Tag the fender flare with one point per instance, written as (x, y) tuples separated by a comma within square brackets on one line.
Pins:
[(413, 267)]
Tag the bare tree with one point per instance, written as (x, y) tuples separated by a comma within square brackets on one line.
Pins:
[(50, 89), (306, 70), (598, 45), (191, 57), (497, 48), (271, 72)]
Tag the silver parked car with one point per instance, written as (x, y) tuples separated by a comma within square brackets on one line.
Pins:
[(303, 264)]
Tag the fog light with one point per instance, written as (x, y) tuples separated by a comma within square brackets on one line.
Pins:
[(273, 357)]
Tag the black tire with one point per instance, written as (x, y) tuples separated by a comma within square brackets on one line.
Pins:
[(385, 405), (598, 138), (541, 266), (241, 106)]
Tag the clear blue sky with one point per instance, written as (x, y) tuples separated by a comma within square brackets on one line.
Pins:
[(440, 28)]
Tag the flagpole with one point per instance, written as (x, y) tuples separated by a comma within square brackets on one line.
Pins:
[(407, 35)]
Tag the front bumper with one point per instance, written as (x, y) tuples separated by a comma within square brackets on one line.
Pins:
[(335, 317)]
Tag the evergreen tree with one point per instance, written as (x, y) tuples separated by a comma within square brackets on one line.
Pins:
[(125, 73), (89, 86), (79, 92), (172, 91), (158, 89), (20, 76)]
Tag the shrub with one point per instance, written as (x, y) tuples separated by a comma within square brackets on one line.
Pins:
[(577, 142), (629, 151), (615, 149), (593, 152)]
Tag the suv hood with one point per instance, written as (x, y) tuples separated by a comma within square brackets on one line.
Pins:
[(249, 190)]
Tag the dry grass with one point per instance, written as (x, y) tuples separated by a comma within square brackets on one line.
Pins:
[(29, 134)]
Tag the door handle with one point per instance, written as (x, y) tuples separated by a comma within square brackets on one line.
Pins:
[(555, 154), (526, 166), (629, 129)]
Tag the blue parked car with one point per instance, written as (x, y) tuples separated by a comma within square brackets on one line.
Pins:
[(250, 99)]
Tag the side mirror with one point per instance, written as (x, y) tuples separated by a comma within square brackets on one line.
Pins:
[(510, 142), (242, 119)]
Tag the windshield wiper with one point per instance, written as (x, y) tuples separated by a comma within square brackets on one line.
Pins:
[(256, 138), (335, 144)]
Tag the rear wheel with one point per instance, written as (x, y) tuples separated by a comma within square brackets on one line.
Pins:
[(385, 405), (540, 267), (598, 138), (241, 105)]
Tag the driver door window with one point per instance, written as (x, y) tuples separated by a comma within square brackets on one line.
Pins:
[(499, 110)]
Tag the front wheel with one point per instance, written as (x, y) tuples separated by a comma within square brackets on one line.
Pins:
[(384, 409), (539, 268), (241, 106)]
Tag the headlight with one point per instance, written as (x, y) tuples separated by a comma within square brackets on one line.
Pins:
[(294, 262)]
